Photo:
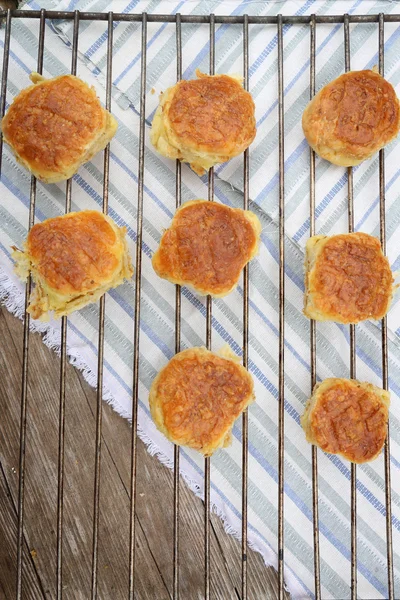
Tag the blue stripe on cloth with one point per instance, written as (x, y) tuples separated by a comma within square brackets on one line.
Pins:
[(322, 205), (17, 60), (388, 43), (395, 462), (205, 49), (275, 331), (395, 268), (149, 44), (376, 202), (368, 361), (50, 24), (298, 74), (20, 195), (298, 281), (72, 5), (273, 43), (273, 182), (148, 191), (103, 38)]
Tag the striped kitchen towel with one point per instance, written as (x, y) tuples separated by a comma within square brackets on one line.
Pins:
[(158, 296)]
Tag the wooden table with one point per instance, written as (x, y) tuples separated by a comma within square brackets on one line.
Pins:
[(154, 517)]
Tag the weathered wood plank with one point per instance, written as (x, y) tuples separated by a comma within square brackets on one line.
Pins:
[(41, 481), (32, 589), (262, 580), (154, 497)]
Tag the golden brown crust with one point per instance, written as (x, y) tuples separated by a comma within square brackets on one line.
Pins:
[(196, 398), (347, 280), (207, 246), (352, 117), (347, 417), (204, 121), (76, 253), (213, 114), (55, 125), (73, 259)]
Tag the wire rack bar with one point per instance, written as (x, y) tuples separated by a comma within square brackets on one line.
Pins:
[(178, 310), (25, 354), (138, 286), (385, 362), (207, 482), (207, 462), (352, 329), (6, 57), (281, 383), (63, 362), (212, 72), (245, 421), (100, 355), (199, 19), (313, 337)]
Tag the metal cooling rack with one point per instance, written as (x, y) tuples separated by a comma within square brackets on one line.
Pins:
[(244, 22)]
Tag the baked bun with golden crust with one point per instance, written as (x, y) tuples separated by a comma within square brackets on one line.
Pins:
[(204, 121), (56, 125), (352, 117), (196, 398), (207, 246), (73, 260), (347, 278), (347, 417)]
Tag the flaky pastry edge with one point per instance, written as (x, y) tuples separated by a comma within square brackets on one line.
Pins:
[(314, 247), (338, 156), (323, 386), (98, 143), (44, 301), (256, 225), (156, 411), (166, 142)]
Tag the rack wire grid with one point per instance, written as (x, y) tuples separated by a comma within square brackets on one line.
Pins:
[(244, 22)]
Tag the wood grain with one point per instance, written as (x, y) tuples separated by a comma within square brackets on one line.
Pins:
[(8, 554), (154, 511)]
